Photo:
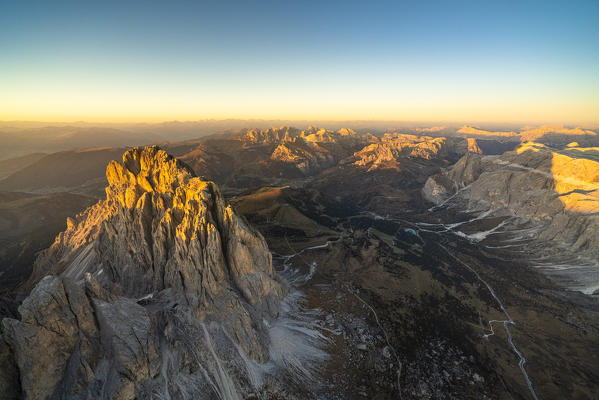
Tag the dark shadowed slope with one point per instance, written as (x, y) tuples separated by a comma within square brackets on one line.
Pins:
[(77, 171), (20, 141), (28, 224), (12, 165)]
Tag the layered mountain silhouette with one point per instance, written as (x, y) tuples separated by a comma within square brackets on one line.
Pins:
[(304, 263)]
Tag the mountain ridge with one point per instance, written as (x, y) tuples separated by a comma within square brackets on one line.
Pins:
[(163, 252)]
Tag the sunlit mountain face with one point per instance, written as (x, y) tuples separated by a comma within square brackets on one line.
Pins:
[(380, 200)]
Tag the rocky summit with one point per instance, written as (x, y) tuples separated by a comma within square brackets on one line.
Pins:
[(160, 289)]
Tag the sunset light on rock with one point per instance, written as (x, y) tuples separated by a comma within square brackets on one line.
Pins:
[(299, 200)]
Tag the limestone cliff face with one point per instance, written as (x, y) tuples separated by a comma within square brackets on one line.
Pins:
[(315, 149), (169, 238), (284, 134), (306, 156), (272, 135), (391, 147), (558, 189), (160, 226), (309, 150), (472, 146)]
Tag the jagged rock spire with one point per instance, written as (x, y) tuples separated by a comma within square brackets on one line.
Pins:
[(161, 234)]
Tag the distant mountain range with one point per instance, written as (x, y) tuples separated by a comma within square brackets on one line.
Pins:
[(22, 138), (294, 263)]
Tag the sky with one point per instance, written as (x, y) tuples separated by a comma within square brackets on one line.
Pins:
[(473, 61)]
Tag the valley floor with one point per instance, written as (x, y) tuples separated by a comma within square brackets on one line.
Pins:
[(415, 310)]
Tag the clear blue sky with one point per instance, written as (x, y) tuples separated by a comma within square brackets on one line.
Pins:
[(535, 61)]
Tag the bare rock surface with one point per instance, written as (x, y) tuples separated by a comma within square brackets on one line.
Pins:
[(135, 297), (10, 386), (557, 190), (394, 146)]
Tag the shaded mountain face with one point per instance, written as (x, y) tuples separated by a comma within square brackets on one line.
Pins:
[(75, 171), (27, 225), (556, 191), (21, 140), (387, 175), (159, 288), (7, 167)]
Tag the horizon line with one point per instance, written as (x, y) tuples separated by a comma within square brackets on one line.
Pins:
[(301, 120)]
